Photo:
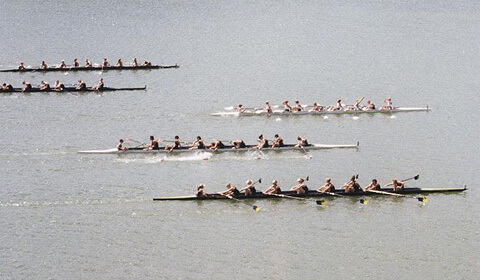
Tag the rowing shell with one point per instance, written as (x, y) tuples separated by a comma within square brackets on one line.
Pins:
[(262, 112), (313, 193), (96, 68), (228, 149), (73, 89)]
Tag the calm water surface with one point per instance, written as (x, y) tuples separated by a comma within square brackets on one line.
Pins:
[(71, 216)]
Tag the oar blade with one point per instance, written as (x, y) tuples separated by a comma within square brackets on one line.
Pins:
[(320, 202), (422, 199), (363, 201), (416, 177), (256, 208)]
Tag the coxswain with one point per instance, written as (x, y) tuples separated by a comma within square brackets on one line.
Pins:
[(374, 185), (59, 86), (286, 106), (81, 85), (76, 63), (298, 106), (249, 190), (397, 185), (43, 65), (216, 144), (62, 65), (88, 63), (201, 191), (27, 86), (263, 142), (301, 142), (328, 187), (120, 146), (277, 142), (370, 106), (198, 144), (352, 186), (316, 107), (230, 191), (147, 63), (238, 144), (153, 144), (44, 86), (119, 63), (21, 66), (176, 144), (99, 85), (135, 62), (105, 63), (300, 188), (240, 109), (268, 108), (273, 189), (388, 104)]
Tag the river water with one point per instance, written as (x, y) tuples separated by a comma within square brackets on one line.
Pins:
[(71, 216)]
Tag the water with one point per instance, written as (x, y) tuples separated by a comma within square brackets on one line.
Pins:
[(66, 215)]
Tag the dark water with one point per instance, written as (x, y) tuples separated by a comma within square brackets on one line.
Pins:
[(66, 215)]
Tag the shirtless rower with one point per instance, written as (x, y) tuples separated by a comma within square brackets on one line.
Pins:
[(300, 188), (216, 144), (135, 62), (100, 85), (230, 191), (277, 142), (388, 104), (238, 144), (268, 108), (147, 63), (352, 186), (356, 106), (286, 106), (370, 106), (316, 107), (201, 191), (44, 86), (176, 144), (7, 87), (198, 144), (273, 189), (120, 146), (302, 142), (27, 86), (81, 85), (43, 65), (59, 86), (21, 66), (328, 187), (397, 185), (240, 109), (88, 63), (153, 144), (339, 105), (298, 106), (119, 63), (263, 142), (374, 185), (105, 63), (249, 190), (62, 65), (76, 63)]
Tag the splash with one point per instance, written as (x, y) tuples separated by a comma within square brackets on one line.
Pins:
[(355, 117), (278, 119), (392, 117)]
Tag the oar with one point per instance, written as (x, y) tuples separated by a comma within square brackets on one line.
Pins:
[(254, 207), (286, 196), (305, 151), (133, 140), (361, 200), (414, 178), (421, 199)]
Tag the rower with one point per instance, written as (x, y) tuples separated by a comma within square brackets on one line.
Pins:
[(135, 62), (62, 65), (100, 85), (374, 185), (370, 106), (240, 109), (88, 63), (328, 187), (153, 144), (43, 65), (273, 189), (147, 63), (316, 107), (249, 190), (356, 106), (198, 144), (119, 63), (120, 146), (263, 142), (105, 63), (339, 105), (27, 86), (388, 104), (76, 63), (44, 86), (286, 106), (176, 144), (59, 86), (298, 106), (7, 87), (277, 142), (238, 144), (352, 186), (81, 85), (300, 188), (216, 144), (397, 185), (268, 108), (201, 191), (21, 66), (302, 142), (230, 191)]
